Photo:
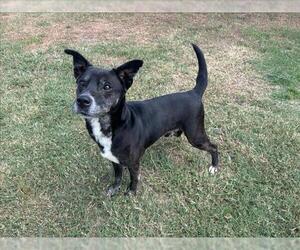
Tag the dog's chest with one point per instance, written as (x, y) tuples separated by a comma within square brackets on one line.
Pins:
[(104, 140)]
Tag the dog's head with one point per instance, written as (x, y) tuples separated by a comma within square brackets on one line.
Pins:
[(99, 91)]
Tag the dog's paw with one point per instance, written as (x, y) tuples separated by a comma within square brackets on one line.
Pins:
[(213, 170), (130, 192), (111, 191)]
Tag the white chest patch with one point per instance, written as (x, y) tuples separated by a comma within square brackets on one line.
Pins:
[(103, 140)]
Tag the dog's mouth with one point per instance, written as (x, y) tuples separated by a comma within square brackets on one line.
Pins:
[(90, 112), (79, 111), (84, 113), (87, 115)]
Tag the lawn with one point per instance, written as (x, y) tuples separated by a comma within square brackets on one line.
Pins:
[(52, 177)]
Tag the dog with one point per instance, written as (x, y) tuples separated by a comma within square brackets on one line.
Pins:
[(124, 130)]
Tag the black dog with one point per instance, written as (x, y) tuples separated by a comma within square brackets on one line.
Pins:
[(123, 130)]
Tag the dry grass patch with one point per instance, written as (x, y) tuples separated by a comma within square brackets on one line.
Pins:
[(230, 69), (143, 29)]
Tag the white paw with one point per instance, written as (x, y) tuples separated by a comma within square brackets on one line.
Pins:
[(112, 191), (213, 170)]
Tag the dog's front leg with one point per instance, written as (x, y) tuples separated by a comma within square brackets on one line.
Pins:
[(134, 171), (115, 187)]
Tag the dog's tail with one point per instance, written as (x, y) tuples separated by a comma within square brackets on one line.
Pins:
[(201, 80)]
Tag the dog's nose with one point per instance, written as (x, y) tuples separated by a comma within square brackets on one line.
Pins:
[(84, 101)]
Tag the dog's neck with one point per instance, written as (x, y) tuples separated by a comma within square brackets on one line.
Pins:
[(119, 114), (105, 123)]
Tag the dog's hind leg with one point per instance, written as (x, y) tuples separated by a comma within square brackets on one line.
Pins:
[(115, 187), (202, 142), (205, 144), (197, 137)]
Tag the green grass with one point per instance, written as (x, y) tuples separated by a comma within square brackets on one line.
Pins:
[(280, 62), (52, 178)]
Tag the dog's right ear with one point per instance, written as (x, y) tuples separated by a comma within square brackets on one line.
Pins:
[(79, 62)]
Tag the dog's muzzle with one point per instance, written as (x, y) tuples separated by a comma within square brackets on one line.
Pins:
[(84, 102), (85, 105)]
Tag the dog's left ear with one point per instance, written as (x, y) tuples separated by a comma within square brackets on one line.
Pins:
[(127, 71), (79, 62)]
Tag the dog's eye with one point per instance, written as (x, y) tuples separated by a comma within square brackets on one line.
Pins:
[(106, 86)]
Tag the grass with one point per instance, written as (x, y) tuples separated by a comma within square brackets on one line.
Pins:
[(52, 179), (279, 63)]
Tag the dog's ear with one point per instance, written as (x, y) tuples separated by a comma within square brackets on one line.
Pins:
[(79, 62), (127, 71)]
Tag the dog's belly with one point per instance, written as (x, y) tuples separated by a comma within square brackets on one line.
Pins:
[(104, 141)]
